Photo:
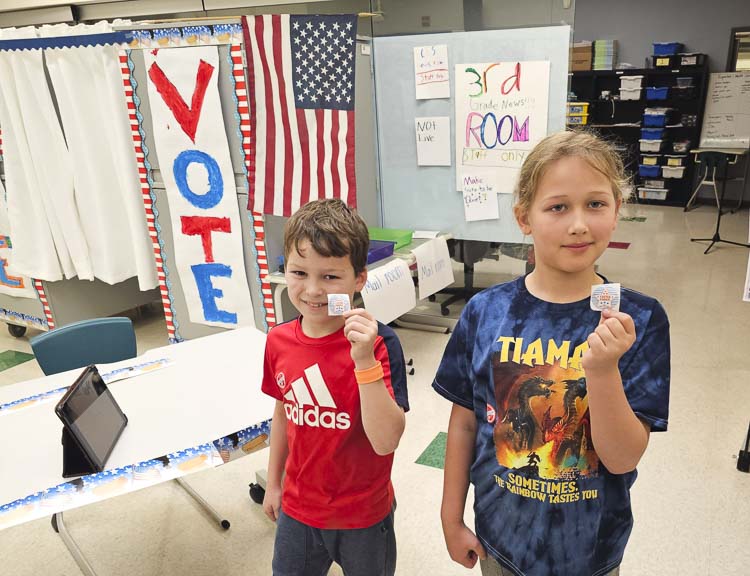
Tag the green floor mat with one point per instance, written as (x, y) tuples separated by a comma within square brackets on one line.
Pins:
[(633, 219), (434, 454), (11, 358)]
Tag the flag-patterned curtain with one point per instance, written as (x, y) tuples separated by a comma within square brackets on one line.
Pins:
[(301, 71)]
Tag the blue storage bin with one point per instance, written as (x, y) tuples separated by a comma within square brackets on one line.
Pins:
[(655, 120), (649, 171), (657, 93), (379, 249), (652, 133), (667, 48)]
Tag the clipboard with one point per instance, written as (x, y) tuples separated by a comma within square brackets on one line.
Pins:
[(92, 424)]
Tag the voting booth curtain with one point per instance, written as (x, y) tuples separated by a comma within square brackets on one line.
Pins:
[(73, 196)]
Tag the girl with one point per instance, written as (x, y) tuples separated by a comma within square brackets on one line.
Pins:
[(553, 402)]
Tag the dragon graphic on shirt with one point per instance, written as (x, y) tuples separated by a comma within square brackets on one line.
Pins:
[(543, 428)]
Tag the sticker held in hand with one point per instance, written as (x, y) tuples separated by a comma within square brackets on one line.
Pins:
[(605, 296), (338, 304)]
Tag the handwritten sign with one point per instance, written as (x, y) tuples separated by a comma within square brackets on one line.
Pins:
[(434, 269), (389, 291), (480, 196), (431, 72), (194, 155), (433, 141), (501, 113)]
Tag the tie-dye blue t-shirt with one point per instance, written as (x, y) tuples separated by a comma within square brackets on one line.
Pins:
[(544, 503)]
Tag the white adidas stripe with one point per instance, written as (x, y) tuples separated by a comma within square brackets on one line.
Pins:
[(318, 387)]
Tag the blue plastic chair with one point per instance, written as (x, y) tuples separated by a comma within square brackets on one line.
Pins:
[(95, 341)]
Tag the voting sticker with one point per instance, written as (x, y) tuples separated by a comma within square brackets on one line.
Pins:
[(338, 304), (605, 296)]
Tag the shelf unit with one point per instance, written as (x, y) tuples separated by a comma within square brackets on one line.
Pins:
[(620, 120)]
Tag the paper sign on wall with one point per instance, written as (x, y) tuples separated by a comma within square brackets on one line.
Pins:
[(194, 155), (389, 291), (501, 113), (480, 196), (434, 268), (432, 77), (433, 141)]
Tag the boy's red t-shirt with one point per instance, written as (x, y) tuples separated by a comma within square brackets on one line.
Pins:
[(334, 479)]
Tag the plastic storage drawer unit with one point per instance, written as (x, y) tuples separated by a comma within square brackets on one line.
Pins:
[(673, 171), (379, 249), (630, 93), (400, 237), (578, 108), (667, 48), (631, 82), (649, 171), (652, 133), (675, 160), (651, 159), (577, 119), (657, 92), (652, 194), (651, 145)]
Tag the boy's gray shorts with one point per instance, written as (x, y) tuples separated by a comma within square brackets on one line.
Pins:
[(301, 550)]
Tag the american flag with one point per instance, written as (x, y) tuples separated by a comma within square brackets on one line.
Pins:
[(301, 71)]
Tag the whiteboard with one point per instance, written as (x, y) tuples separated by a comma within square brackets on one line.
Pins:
[(424, 197), (726, 121)]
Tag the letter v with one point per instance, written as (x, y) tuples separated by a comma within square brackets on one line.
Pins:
[(186, 117)]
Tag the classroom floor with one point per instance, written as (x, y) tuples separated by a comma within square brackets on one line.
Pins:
[(691, 505)]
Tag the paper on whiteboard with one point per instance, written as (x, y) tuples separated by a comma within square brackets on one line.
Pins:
[(431, 73), (501, 113), (726, 123), (480, 196), (389, 291), (434, 269), (433, 141)]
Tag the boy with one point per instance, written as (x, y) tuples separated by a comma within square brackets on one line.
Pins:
[(340, 387)]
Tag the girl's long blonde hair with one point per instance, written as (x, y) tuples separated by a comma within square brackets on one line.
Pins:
[(600, 155)]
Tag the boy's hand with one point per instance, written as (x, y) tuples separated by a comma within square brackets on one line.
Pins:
[(272, 502), (612, 338), (463, 545), (361, 329)]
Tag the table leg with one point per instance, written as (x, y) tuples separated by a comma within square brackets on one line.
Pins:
[(59, 526)]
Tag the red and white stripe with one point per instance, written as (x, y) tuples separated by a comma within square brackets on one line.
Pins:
[(146, 194), (300, 154), (39, 285), (259, 235)]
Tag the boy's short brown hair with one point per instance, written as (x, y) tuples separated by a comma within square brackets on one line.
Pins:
[(332, 228)]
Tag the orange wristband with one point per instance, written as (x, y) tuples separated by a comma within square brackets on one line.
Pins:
[(370, 375)]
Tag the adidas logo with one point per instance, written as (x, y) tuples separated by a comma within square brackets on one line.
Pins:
[(313, 406)]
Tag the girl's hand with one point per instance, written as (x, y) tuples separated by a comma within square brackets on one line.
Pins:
[(361, 329), (608, 343), (463, 545)]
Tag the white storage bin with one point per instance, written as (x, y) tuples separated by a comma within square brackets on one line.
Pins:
[(630, 82), (652, 194), (630, 93), (672, 171), (650, 145)]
